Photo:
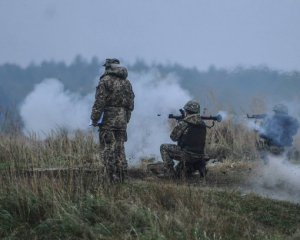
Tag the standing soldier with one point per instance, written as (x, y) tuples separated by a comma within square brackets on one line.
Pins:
[(114, 102)]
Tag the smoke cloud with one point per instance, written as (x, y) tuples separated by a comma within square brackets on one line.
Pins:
[(154, 96), (49, 106), (279, 129), (224, 115), (278, 178)]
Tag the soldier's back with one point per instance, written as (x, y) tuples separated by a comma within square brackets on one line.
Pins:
[(119, 100)]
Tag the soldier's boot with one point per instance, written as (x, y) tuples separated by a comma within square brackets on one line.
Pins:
[(124, 172), (112, 175), (107, 174), (202, 169), (122, 175), (115, 178), (168, 172)]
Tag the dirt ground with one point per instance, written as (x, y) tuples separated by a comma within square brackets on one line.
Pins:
[(232, 175)]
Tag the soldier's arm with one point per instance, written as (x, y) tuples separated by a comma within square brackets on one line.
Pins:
[(131, 103), (178, 131), (99, 104), (128, 115), (294, 126), (131, 107)]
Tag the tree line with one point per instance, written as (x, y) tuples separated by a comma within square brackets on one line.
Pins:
[(79, 76)]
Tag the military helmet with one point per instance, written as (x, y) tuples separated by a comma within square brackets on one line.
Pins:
[(280, 108), (192, 106), (110, 61)]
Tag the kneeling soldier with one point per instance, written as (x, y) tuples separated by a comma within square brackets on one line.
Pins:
[(190, 135)]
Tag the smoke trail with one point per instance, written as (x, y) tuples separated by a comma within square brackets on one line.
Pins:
[(224, 115), (278, 179), (49, 106)]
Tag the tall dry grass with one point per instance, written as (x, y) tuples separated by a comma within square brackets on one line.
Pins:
[(229, 140), (78, 204), (58, 149), (54, 208)]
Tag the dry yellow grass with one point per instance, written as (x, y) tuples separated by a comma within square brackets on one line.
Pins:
[(79, 205)]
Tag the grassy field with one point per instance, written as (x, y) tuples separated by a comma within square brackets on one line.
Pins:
[(51, 208), (76, 204)]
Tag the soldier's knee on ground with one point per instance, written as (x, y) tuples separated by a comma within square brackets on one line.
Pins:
[(163, 151), (161, 147)]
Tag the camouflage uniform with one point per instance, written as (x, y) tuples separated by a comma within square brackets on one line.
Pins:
[(278, 130), (114, 102), (190, 133)]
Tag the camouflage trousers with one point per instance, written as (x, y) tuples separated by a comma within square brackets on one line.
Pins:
[(112, 153), (170, 152)]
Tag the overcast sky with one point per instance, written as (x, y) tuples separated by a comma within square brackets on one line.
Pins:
[(196, 33)]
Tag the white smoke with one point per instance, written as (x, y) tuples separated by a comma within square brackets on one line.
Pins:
[(224, 115), (49, 106), (254, 125), (154, 96), (278, 178)]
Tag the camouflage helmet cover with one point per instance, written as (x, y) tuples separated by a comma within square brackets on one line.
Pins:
[(192, 106), (110, 61), (280, 108)]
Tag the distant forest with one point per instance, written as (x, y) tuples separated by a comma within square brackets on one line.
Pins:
[(79, 76)]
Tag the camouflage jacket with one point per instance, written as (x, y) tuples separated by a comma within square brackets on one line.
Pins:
[(114, 100), (279, 130), (190, 133)]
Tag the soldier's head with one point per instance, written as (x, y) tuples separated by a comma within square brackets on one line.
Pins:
[(110, 62), (192, 107), (280, 109)]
